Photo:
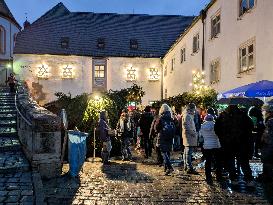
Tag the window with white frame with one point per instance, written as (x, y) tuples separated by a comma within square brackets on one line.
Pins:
[(166, 93), (99, 71), (183, 55), (173, 64), (195, 46), (215, 25), (154, 74), (245, 6), (215, 72), (247, 56)]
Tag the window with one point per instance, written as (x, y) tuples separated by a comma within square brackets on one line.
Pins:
[(166, 93), (173, 64), (64, 42), (246, 5), (183, 55), (195, 46), (165, 71), (99, 71), (101, 43), (133, 44), (67, 72), (215, 72), (247, 56), (2, 40), (14, 39), (215, 25)]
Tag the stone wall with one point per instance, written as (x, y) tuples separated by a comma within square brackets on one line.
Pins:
[(40, 134)]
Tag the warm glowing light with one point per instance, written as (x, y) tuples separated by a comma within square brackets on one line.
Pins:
[(154, 74), (67, 72), (193, 72), (131, 74), (8, 65), (191, 84), (43, 71), (97, 97)]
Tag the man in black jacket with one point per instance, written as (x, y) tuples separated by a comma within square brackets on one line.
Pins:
[(233, 128), (145, 122)]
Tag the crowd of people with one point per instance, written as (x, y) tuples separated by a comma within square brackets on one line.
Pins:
[(228, 140)]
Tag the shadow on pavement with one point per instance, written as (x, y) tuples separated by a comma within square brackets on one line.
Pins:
[(61, 190), (125, 172)]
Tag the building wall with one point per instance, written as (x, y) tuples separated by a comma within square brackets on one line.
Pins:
[(178, 80), (255, 24), (10, 29), (26, 67)]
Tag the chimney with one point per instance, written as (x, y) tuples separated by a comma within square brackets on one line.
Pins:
[(26, 24)]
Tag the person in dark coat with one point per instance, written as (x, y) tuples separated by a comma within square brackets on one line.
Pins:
[(145, 123), (267, 143), (12, 82), (165, 139), (104, 137), (233, 127)]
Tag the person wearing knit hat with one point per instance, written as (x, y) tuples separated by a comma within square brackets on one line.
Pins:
[(267, 143), (211, 148)]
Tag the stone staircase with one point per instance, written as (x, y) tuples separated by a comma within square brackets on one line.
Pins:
[(15, 175)]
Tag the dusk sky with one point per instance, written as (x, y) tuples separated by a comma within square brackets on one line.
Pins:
[(36, 8)]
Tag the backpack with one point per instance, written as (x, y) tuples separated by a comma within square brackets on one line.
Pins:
[(168, 129)]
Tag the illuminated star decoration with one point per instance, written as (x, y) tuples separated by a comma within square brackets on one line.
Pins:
[(131, 74), (67, 72), (154, 74), (43, 72)]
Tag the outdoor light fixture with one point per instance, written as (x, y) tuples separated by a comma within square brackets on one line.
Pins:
[(43, 72), (154, 74), (67, 72), (131, 74), (8, 65)]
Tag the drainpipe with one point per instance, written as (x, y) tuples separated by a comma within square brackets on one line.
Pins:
[(161, 83), (203, 14)]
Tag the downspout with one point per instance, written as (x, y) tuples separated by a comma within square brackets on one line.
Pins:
[(203, 17), (161, 82)]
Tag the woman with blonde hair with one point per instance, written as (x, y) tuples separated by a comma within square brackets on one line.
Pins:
[(165, 128)]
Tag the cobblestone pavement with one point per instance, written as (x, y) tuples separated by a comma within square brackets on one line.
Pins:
[(16, 185), (144, 183)]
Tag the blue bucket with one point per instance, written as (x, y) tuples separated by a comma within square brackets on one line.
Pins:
[(76, 151)]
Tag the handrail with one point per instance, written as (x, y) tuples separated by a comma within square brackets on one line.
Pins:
[(26, 120)]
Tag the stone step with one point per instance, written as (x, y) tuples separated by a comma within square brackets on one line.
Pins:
[(8, 123), (13, 161), (8, 111), (8, 132), (8, 107), (9, 144), (6, 103), (8, 116)]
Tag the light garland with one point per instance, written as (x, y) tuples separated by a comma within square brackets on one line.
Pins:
[(198, 82), (43, 72), (154, 74), (131, 74)]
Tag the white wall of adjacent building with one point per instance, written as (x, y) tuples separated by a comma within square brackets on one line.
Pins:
[(178, 80), (28, 66), (8, 31), (235, 31)]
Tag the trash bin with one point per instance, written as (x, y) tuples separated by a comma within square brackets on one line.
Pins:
[(76, 151)]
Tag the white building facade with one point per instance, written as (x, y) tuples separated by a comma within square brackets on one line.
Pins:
[(8, 31), (237, 47)]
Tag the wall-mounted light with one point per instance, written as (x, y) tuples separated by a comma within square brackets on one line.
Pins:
[(154, 74)]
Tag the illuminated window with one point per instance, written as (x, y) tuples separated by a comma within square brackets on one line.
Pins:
[(43, 72), (99, 71), (131, 74), (154, 74), (67, 72)]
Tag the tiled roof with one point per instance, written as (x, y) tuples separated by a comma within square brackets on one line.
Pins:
[(4, 11), (154, 33)]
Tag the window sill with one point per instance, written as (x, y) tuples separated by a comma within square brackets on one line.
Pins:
[(214, 37), (194, 53), (214, 82), (249, 70)]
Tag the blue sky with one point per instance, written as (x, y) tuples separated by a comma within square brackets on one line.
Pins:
[(36, 8)]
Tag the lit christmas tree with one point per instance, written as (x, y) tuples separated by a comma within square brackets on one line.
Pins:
[(198, 82)]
